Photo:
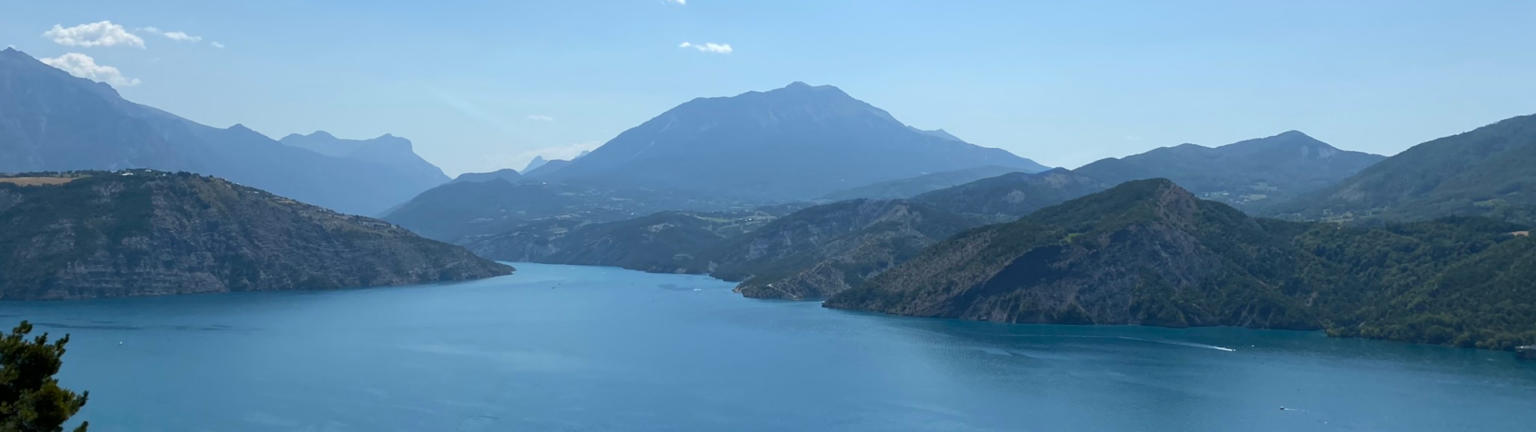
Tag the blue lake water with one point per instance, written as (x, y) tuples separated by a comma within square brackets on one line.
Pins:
[(562, 348)]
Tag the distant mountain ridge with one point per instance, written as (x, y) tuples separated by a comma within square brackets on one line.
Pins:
[(914, 186), (1248, 174), (388, 150), (1009, 196), (52, 121), (796, 142), (1489, 171), (507, 174)]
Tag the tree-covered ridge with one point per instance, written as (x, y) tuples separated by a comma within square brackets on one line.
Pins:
[(665, 242), (1148, 252), (142, 232), (459, 211), (1007, 197), (810, 253), (1489, 171), (824, 250)]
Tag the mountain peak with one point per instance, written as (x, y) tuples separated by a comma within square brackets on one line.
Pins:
[(321, 134), (1156, 198), (801, 88)]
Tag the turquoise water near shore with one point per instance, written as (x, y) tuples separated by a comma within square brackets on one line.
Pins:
[(563, 348)]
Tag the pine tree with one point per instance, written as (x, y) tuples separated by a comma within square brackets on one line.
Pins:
[(30, 397)]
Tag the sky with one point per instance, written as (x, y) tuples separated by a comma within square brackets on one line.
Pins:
[(479, 86)]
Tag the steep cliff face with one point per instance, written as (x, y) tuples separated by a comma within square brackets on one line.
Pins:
[(153, 233)]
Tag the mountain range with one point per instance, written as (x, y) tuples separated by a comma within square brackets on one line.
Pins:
[(1488, 171), (1249, 175), (52, 121), (1148, 252), (797, 142), (140, 232), (914, 186), (458, 211)]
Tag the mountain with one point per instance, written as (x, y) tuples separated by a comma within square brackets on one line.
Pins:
[(134, 233), (1148, 252), (51, 121), (939, 133), (914, 186), (388, 150), (811, 253), (534, 164), (797, 142), (1249, 174), (665, 242), (456, 211), (1488, 171), (508, 174), (547, 168), (1007, 197), (823, 250)]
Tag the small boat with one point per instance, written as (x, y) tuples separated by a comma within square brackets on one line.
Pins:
[(1527, 352)]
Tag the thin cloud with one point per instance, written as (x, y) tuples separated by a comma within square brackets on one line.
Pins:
[(174, 35), (542, 118), (216, 44), (709, 47), (84, 66), (678, 2), (97, 34)]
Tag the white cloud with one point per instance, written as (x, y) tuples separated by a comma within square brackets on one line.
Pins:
[(84, 66), (678, 2), (103, 33), (175, 35), (542, 118), (710, 47), (216, 44)]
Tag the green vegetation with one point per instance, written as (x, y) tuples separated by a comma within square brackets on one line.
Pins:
[(1490, 171), (31, 399), (1148, 252), (666, 242), (1007, 197), (148, 232)]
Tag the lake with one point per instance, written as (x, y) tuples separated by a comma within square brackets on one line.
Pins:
[(563, 348)]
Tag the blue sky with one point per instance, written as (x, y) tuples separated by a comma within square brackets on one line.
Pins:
[(485, 85)]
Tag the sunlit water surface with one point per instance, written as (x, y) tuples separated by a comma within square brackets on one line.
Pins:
[(562, 348)]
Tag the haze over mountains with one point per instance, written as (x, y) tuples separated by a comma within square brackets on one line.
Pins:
[(1248, 174), (804, 192), (51, 121), (797, 142)]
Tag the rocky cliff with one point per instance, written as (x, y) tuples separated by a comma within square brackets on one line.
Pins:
[(136, 233)]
